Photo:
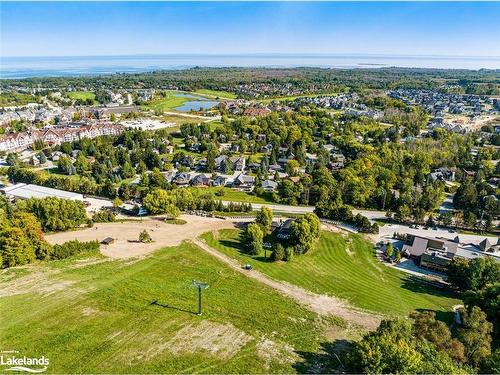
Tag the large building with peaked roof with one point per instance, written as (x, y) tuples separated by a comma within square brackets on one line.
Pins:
[(57, 135), (437, 253)]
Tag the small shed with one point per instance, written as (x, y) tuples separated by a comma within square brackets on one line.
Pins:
[(108, 241)]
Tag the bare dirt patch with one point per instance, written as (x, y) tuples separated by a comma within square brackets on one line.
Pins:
[(321, 304), (81, 263), (348, 247), (221, 340), (37, 281), (271, 351), (126, 234)]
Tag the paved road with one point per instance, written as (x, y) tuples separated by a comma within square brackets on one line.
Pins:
[(387, 230), (279, 207)]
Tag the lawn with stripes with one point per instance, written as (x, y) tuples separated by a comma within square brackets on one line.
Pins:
[(344, 266), (139, 317)]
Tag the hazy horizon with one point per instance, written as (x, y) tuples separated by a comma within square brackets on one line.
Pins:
[(53, 66)]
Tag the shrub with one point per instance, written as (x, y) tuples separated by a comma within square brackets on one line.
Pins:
[(104, 216), (75, 247), (278, 253), (144, 237)]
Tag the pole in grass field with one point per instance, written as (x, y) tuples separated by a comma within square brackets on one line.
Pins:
[(200, 287)]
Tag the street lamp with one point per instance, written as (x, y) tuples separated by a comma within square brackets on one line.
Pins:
[(200, 286)]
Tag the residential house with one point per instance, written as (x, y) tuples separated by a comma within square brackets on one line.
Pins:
[(269, 185), (337, 161), (283, 230), (244, 182), (442, 174), (222, 181), (182, 179), (200, 180)]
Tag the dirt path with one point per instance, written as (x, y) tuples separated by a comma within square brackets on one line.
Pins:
[(321, 304), (126, 234)]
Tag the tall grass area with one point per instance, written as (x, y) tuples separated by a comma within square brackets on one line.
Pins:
[(344, 267), (120, 317)]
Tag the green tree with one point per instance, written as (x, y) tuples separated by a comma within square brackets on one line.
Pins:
[(15, 248), (473, 274), (82, 164), (42, 157), (55, 214), (392, 349), (160, 201), (278, 253), (389, 251), (304, 232), (475, 335), (33, 232), (253, 238), (292, 167), (264, 218), (426, 327)]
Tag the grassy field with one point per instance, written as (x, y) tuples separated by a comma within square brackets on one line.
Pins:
[(232, 195), (82, 95), (347, 268), (167, 103), (138, 316), (216, 94)]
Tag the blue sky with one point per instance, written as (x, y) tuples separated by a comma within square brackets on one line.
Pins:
[(116, 28)]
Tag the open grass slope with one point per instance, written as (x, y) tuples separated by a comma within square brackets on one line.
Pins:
[(82, 95), (345, 267), (137, 316)]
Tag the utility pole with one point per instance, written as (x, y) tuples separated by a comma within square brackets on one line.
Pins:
[(200, 286)]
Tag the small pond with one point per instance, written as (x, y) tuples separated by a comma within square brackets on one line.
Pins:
[(199, 102), (196, 105)]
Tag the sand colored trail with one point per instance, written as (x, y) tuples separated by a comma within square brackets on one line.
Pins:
[(321, 304)]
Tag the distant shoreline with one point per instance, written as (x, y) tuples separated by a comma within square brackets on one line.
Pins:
[(75, 66)]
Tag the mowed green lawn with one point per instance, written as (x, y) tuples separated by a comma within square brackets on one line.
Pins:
[(167, 103), (103, 318), (232, 195), (82, 95), (344, 267)]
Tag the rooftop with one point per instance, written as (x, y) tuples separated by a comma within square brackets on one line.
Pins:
[(26, 191)]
